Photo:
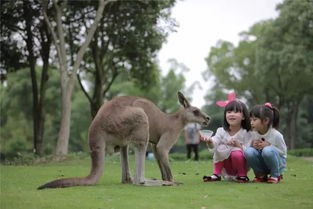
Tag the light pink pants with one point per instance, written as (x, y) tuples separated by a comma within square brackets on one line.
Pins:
[(235, 165)]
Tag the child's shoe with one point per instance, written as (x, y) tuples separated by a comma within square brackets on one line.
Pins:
[(273, 180), (260, 179), (214, 177), (242, 179)]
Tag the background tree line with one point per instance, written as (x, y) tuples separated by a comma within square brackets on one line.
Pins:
[(50, 73)]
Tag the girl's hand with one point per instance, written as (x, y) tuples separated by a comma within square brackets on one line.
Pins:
[(234, 143), (263, 144), (255, 143), (260, 144), (207, 140)]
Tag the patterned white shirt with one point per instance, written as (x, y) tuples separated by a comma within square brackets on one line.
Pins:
[(221, 150)]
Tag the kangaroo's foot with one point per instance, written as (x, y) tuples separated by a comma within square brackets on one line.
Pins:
[(177, 183), (154, 182)]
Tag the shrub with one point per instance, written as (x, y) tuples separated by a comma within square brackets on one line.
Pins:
[(301, 152)]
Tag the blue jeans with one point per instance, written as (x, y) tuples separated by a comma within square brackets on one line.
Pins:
[(265, 161)]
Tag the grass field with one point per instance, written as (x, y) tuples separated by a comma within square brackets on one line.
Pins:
[(19, 183)]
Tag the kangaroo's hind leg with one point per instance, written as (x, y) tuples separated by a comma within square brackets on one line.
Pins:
[(140, 138), (126, 178), (140, 154)]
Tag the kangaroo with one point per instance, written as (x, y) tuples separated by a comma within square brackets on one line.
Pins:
[(136, 120)]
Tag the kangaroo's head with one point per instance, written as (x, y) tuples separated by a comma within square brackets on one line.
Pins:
[(192, 114)]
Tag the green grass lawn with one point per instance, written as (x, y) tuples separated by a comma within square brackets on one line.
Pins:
[(19, 183)]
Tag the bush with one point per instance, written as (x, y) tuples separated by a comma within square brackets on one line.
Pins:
[(18, 158), (301, 152)]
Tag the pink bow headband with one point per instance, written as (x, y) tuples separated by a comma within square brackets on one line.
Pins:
[(269, 105), (231, 97)]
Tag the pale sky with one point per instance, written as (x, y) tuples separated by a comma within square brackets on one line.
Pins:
[(201, 24)]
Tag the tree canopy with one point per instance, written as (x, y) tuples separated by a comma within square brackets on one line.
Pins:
[(272, 62)]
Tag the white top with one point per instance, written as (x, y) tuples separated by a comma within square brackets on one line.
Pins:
[(221, 150), (276, 139)]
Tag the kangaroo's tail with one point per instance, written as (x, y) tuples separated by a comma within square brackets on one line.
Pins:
[(97, 159)]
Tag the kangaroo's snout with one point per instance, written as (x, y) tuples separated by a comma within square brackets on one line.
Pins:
[(206, 121)]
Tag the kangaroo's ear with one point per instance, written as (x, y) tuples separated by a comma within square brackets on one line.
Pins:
[(182, 100)]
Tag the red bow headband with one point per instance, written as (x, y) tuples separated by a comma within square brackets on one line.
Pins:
[(231, 97)]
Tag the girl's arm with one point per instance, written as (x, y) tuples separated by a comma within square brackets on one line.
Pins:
[(262, 143), (251, 140), (215, 140), (277, 141), (279, 144), (235, 143), (209, 141)]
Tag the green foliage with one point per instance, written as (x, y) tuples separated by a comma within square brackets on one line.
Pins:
[(163, 93), (307, 152), (20, 183), (234, 67), (285, 51), (16, 121), (170, 85), (12, 52), (273, 63), (284, 62), (305, 119), (80, 122), (128, 37), (126, 41)]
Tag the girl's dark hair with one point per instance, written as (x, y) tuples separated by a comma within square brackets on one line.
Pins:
[(265, 111), (237, 106)]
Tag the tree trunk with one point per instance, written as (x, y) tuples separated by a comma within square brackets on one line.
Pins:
[(32, 64), (291, 127), (66, 106), (95, 106), (97, 97), (67, 76), (45, 54)]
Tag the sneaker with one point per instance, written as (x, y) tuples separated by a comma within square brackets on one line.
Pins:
[(242, 179), (273, 180), (260, 179), (214, 177)]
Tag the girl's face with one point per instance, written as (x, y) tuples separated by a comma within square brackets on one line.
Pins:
[(258, 125), (234, 118)]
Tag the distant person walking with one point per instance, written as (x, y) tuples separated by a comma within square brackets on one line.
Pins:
[(192, 139)]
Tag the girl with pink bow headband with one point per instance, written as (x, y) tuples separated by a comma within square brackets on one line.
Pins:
[(229, 142)]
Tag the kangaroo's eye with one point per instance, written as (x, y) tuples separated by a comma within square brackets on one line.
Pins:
[(196, 112)]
